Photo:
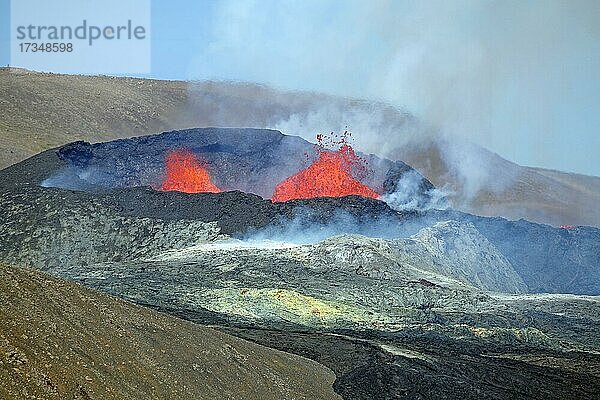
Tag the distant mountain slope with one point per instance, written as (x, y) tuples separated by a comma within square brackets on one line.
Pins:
[(59, 340), (510, 190), (39, 111)]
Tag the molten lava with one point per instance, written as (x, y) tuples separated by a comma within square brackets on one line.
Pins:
[(185, 173), (567, 227), (330, 175)]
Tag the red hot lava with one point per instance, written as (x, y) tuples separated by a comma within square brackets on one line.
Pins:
[(330, 175), (185, 173), (567, 227)]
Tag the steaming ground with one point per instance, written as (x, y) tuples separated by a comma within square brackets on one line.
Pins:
[(354, 303), (224, 245)]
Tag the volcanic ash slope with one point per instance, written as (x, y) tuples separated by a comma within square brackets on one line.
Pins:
[(59, 340)]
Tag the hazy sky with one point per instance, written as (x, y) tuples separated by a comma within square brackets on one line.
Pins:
[(521, 78)]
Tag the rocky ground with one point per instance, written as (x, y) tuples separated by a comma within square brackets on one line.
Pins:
[(387, 331), (344, 282)]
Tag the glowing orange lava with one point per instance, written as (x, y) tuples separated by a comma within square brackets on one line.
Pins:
[(185, 173), (330, 175)]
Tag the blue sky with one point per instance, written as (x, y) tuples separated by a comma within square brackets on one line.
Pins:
[(520, 78)]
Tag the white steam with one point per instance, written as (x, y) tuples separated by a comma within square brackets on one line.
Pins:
[(516, 77), (408, 195), (303, 229)]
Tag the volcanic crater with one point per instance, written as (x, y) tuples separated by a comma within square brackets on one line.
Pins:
[(249, 160)]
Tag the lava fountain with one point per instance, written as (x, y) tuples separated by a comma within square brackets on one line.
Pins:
[(186, 173), (330, 175)]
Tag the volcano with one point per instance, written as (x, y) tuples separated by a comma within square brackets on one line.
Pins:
[(391, 300), (258, 161)]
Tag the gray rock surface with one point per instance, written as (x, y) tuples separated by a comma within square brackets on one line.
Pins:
[(458, 250), (344, 282), (89, 234)]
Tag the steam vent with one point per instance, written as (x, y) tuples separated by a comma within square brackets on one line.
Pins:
[(260, 258)]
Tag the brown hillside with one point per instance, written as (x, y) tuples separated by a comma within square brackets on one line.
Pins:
[(59, 340)]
